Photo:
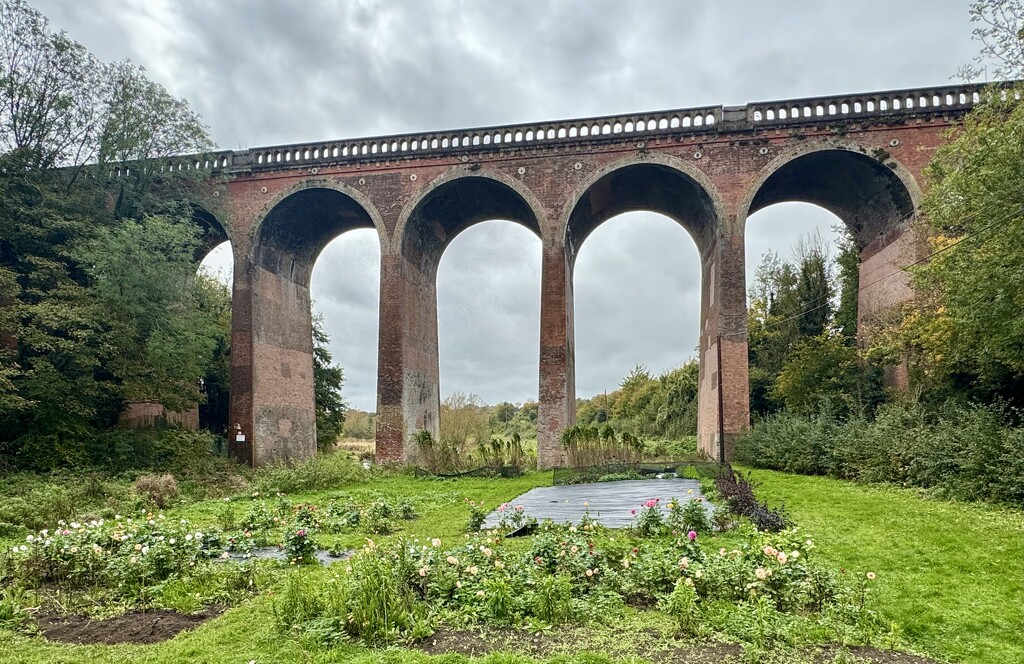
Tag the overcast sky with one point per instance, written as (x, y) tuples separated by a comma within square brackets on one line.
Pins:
[(264, 72)]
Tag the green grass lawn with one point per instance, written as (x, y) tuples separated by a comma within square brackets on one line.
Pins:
[(951, 574)]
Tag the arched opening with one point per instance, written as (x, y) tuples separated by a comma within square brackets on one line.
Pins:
[(470, 280), (643, 187), (847, 215), (644, 248), (488, 283), (795, 276), (217, 266), (200, 334), (638, 271), (864, 191), (345, 288), (286, 244)]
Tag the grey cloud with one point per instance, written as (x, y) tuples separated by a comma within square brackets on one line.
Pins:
[(264, 71)]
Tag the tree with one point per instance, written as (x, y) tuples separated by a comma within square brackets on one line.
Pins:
[(144, 125), (504, 412), (463, 422), (96, 305), (51, 105), (844, 320), (142, 275), (964, 329), (1000, 29), (813, 287), (826, 372), (327, 382)]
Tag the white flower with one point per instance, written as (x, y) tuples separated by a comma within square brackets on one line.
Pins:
[(199, 536), (188, 538), (75, 525), (172, 541), (145, 550), (29, 538)]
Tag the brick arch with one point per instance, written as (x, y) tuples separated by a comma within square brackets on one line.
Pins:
[(293, 227), (867, 188), (457, 200), (212, 231), (656, 183), (272, 315)]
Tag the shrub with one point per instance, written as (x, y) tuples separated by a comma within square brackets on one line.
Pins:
[(682, 605), (688, 515), (964, 451), (298, 546), (159, 489), (738, 493), (322, 472)]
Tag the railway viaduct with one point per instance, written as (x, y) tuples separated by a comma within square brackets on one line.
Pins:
[(859, 156)]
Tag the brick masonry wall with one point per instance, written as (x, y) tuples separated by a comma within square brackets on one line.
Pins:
[(271, 365)]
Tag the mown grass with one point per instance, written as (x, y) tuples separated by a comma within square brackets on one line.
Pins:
[(951, 574)]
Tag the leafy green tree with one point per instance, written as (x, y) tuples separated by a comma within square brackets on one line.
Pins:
[(844, 320), (51, 105), (327, 381), (813, 288), (504, 412), (96, 305), (964, 332), (142, 274), (825, 372)]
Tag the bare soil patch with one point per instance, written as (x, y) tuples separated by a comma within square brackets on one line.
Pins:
[(151, 626), (649, 645)]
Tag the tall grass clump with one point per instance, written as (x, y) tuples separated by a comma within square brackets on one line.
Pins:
[(325, 471), (589, 446), (370, 600), (963, 451)]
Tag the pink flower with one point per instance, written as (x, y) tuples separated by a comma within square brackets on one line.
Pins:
[(519, 508), (633, 512), (651, 503), (502, 507), (692, 535), (301, 532)]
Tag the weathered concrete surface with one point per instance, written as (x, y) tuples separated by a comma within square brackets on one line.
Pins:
[(609, 503), (859, 156)]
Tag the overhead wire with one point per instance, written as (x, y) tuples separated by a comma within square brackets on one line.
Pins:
[(862, 287)]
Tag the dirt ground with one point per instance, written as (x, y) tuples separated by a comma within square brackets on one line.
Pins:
[(646, 645), (158, 625), (151, 626)]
